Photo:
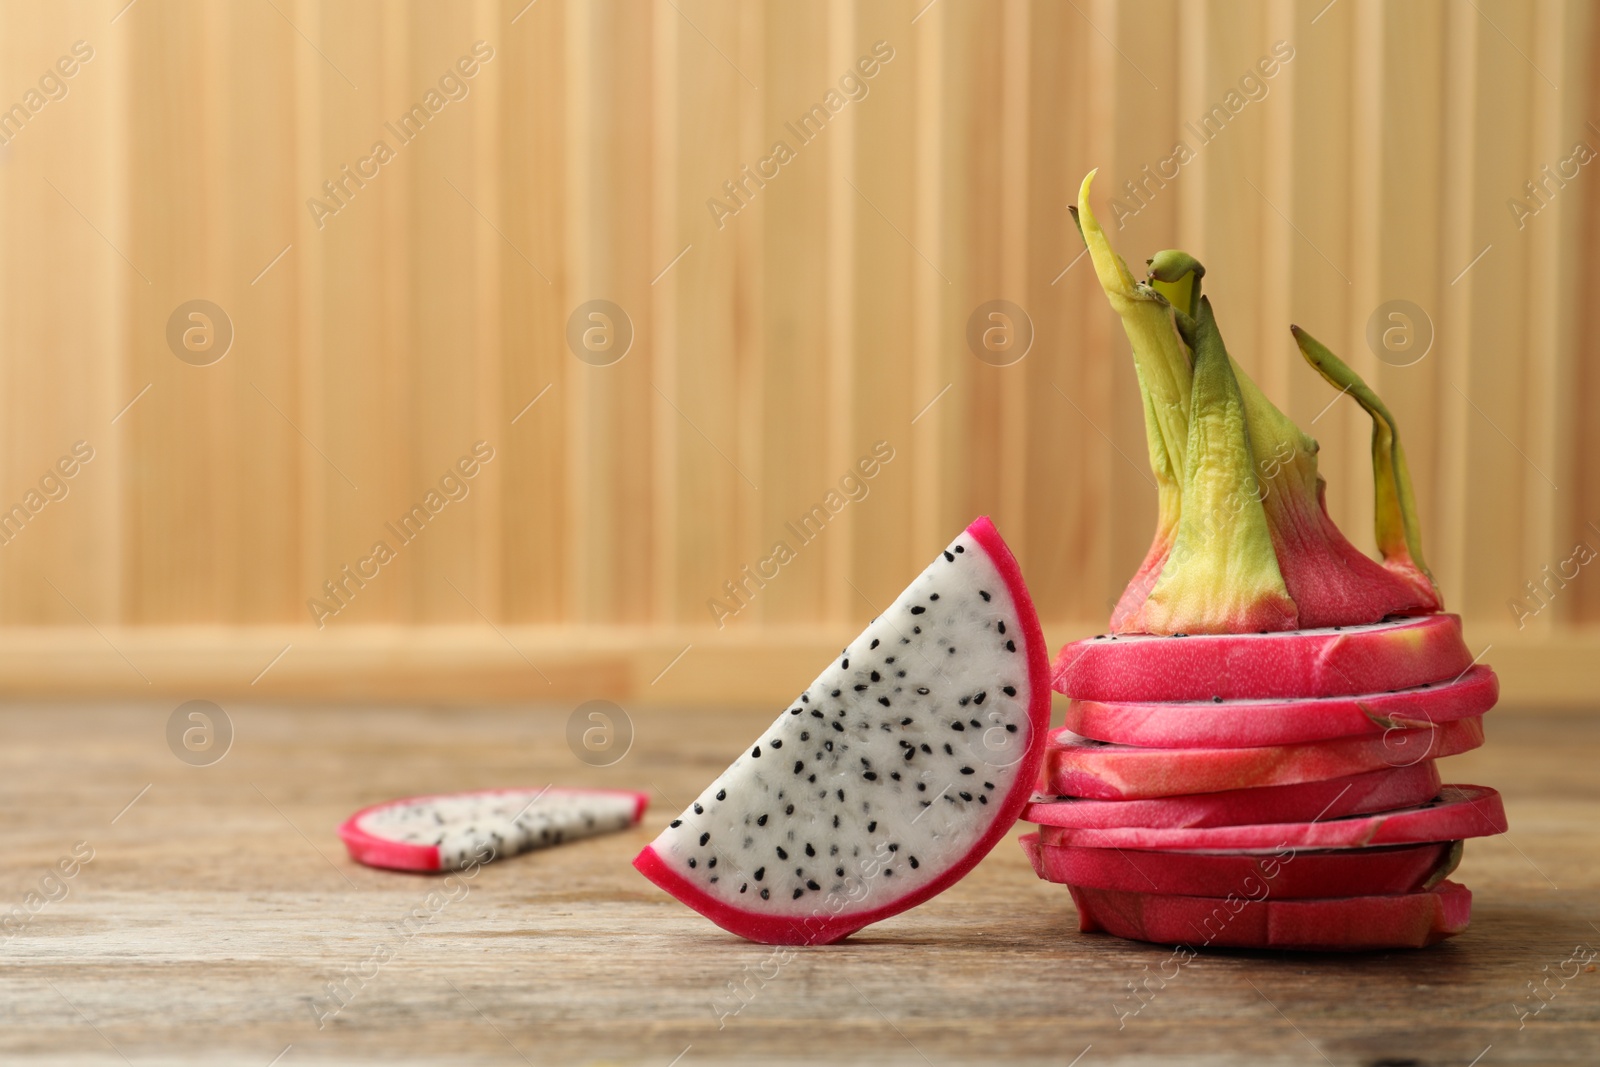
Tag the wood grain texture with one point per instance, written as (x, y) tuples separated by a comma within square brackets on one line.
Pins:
[(219, 905), (820, 309)]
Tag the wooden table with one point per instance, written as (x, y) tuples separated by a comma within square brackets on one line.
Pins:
[(217, 907)]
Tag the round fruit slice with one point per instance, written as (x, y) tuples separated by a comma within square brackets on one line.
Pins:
[(1402, 787), (887, 779), (1247, 723), (1459, 811), (1352, 924), (1290, 875), (1076, 766), (1395, 654), (450, 831)]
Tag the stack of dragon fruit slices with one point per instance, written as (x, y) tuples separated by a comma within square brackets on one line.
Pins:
[(1272, 790)]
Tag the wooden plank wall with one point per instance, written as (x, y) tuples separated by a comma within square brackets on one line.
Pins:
[(774, 340)]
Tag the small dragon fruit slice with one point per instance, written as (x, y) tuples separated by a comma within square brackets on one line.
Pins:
[(1344, 924), (451, 831), (890, 777)]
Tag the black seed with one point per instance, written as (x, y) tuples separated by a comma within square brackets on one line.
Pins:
[(988, 785), (698, 810), (761, 820), (828, 745), (816, 714), (872, 826), (964, 701), (794, 711), (722, 794), (960, 549), (926, 749), (895, 775), (876, 677), (1011, 646), (811, 884), (1216, 700), (838, 872), (874, 643), (905, 721), (948, 556), (836, 822), (910, 752), (957, 726), (967, 770), (789, 810), (1011, 728), (810, 851), (676, 823), (692, 862), (845, 664), (888, 872), (966, 796), (1001, 626), (915, 630), (922, 690), (766, 894), (805, 735), (841, 794), (914, 863), (761, 872), (836, 692), (933, 596), (713, 879), (980, 698), (918, 609), (884, 701), (755, 753), (871, 776), (839, 726), (948, 751), (805, 698), (782, 855), (799, 766), (712, 862), (922, 787), (744, 887), (982, 799), (704, 838), (798, 893), (983, 594), (976, 725), (1009, 690)]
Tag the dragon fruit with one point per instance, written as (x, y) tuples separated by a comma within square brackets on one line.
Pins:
[(884, 782), (1309, 874), (1239, 920), (1358, 794), (1251, 723), (452, 831), (1255, 661), (1077, 766)]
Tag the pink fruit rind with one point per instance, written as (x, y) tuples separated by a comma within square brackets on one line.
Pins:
[(1459, 812), (820, 929), (1293, 664), (1357, 794), (1293, 876), (1124, 772), (1348, 924), (1254, 723), (376, 851)]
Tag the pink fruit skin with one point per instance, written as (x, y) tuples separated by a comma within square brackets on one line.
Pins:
[(1401, 787), (1123, 772), (825, 930), (1245, 724), (1292, 665), (1349, 924), (1342, 873), (1459, 812), (402, 856)]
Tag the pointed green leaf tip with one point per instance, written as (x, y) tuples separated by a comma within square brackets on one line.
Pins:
[(1222, 575), (1398, 529)]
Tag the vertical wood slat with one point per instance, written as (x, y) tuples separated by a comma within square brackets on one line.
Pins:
[(825, 315)]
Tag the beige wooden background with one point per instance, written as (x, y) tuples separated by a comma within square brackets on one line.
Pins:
[(770, 352)]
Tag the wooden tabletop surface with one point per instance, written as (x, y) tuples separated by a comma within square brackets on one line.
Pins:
[(219, 904)]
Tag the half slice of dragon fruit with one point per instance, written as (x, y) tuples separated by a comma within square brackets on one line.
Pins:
[(890, 777), (450, 831)]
